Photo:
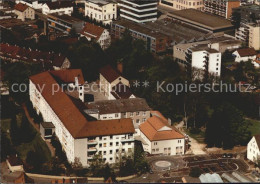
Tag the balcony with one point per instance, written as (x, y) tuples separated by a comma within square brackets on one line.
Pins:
[(92, 142), (90, 157), (92, 149)]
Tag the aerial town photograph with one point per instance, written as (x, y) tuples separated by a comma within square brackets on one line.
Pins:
[(130, 91)]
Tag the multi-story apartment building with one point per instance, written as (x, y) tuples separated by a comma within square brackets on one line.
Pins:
[(63, 23), (135, 108), (113, 85), (253, 149), (60, 7), (158, 137), (101, 10), (80, 136), (154, 40), (96, 33), (183, 4), (138, 11), (24, 12), (222, 8), (254, 36), (204, 59), (249, 21)]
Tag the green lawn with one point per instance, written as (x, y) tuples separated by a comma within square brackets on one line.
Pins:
[(255, 126), (24, 148)]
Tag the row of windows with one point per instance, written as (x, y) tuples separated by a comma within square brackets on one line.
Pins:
[(110, 152), (104, 145)]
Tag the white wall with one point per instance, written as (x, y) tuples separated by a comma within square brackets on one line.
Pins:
[(253, 151)]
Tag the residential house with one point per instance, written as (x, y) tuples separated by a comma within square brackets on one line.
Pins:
[(158, 137), (49, 60), (60, 7), (14, 163), (81, 137), (253, 149), (24, 12), (180, 5), (221, 8), (97, 34), (135, 108), (101, 10), (138, 11), (113, 85), (244, 54)]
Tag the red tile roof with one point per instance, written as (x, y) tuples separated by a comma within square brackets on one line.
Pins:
[(157, 128), (68, 76), (246, 52), (72, 118), (92, 31), (121, 91), (17, 53), (109, 73), (21, 7)]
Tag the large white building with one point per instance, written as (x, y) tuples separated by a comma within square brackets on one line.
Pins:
[(138, 11), (253, 149), (101, 10), (113, 85), (181, 4), (80, 136), (60, 7), (97, 34), (158, 137)]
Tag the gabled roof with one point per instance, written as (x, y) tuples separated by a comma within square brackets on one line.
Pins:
[(59, 4), (69, 114), (21, 7), (109, 73), (92, 31), (257, 139), (68, 76), (121, 91), (156, 129), (246, 52), (48, 58)]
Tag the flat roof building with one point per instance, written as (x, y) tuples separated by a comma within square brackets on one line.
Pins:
[(201, 20)]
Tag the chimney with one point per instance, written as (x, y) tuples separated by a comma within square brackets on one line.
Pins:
[(120, 67)]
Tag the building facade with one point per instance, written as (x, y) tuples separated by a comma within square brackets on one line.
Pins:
[(183, 4), (113, 85), (63, 24), (24, 12), (101, 10), (138, 11), (135, 108), (254, 36), (253, 149), (80, 137), (97, 34), (244, 54), (222, 8), (158, 137), (154, 40), (60, 7)]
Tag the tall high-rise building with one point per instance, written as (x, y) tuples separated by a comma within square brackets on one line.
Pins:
[(182, 4), (221, 7), (139, 11)]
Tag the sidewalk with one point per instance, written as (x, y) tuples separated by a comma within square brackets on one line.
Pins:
[(37, 127)]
